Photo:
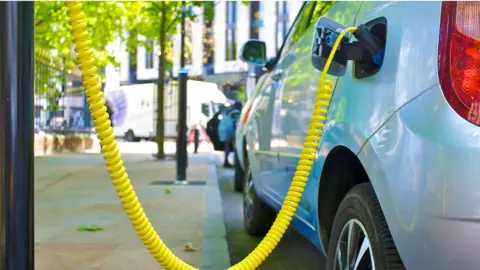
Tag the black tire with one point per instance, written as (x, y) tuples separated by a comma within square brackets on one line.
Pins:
[(239, 175), (361, 206), (260, 218), (130, 136)]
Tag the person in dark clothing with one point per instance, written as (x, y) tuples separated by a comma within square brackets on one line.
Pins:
[(196, 138), (238, 105), (226, 130), (212, 131), (110, 112), (228, 148)]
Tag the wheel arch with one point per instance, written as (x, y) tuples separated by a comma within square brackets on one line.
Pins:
[(341, 171)]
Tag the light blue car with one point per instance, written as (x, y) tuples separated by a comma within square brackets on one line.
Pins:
[(240, 134), (396, 179)]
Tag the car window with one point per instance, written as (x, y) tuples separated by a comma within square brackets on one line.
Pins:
[(341, 12), (298, 27), (308, 15), (320, 9), (259, 85)]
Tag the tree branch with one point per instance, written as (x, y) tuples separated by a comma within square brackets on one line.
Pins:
[(179, 13), (171, 23)]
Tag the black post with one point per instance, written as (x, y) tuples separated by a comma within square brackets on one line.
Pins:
[(16, 136), (182, 36), (182, 124), (182, 108)]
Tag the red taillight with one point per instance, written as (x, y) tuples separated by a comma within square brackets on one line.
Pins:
[(459, 57), (247, 114)]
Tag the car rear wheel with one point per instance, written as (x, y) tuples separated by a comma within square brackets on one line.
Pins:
[(239, 175), (258, 217), (360, 237)]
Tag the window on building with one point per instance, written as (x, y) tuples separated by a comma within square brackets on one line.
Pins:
[(230, 37), (298, 28), (255, 19), (208, 41), (281, 12), (149, 55)]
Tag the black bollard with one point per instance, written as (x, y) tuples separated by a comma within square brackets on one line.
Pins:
[(182, 158), (16, 136), (182, 127)]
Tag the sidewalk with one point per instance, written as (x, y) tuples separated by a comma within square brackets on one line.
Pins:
[(75, 189)]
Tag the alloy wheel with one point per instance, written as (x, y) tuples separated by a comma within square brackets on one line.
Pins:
[(354, 251)]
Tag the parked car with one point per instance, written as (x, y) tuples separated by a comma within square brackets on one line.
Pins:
[(240, 150), (212, 125), (395, 181)]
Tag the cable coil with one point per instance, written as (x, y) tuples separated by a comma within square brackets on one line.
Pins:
[(121, 181)]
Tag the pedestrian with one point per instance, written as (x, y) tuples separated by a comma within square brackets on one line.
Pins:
[(212, 131), (110, 112), (196, 138), (226, 131)]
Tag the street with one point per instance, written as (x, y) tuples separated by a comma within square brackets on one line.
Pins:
[(74, 189), (294, 252)]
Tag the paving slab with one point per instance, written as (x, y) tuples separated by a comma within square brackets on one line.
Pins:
[(75, 189)]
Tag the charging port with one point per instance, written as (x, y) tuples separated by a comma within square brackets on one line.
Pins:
[(368, 67)]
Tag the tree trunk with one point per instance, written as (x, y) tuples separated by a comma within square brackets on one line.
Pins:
[(160, 136)]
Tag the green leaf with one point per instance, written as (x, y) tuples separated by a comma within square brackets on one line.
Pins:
[(89, 228)]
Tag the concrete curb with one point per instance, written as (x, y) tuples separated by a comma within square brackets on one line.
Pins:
[(215, 247)]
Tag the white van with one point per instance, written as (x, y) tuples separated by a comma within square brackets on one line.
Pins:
[(134, 108)]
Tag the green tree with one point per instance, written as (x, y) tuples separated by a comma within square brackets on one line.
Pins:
[(157, 21), (54, 56), (105, 21)]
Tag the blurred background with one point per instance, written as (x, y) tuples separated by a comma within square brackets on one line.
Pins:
[(138, 51), (137, 47)]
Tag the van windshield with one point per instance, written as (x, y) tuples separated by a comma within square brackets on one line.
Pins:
[(217, 107)]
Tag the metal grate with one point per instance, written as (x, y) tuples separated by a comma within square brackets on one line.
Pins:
[(166, 183)]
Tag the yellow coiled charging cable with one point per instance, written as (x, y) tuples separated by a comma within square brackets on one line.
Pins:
[(119, 176)]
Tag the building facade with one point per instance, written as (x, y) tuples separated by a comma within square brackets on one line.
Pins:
[(213, 46)]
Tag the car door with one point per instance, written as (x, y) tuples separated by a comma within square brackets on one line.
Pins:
[(263, 161), (272, 170), (299, 93)]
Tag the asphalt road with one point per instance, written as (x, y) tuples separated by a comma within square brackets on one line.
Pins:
[(293, 253)]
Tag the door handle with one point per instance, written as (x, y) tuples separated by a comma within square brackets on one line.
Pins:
[(277, 74)]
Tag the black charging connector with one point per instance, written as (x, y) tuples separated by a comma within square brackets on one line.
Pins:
[(367, 49), (366, 52), (374, 46), (373, 37), (368, 40)]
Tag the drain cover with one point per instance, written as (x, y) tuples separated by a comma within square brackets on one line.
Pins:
[(167, 183)]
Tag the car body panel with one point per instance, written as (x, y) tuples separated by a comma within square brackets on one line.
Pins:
[(426, 178), (240, 132), (293, 110), (419, 154)]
